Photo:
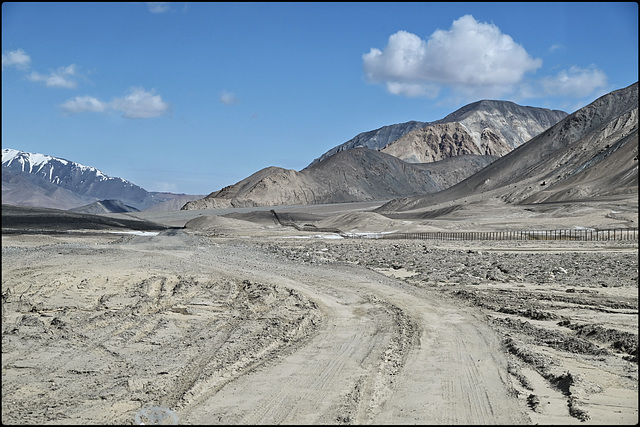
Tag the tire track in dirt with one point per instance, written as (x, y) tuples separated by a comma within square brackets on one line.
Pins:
[(358, 386), (285, 343), (442, 381), (281, 391)]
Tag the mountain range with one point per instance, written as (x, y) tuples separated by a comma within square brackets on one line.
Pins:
[(590, 154), (40, 180), (487, 149), (406, 159)]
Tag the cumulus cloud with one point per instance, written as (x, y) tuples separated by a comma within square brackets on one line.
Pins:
[(158, 6), (62, 77), (471, 57), (140, 104), (16, 58), (228, 98), (137, 104)]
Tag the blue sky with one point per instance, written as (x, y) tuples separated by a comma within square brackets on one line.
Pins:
[(192, 97)]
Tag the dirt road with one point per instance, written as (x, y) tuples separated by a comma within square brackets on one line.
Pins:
[(97, 327)]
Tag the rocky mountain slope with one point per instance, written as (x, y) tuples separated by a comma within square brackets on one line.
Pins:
[(494, 128), (359, 174), (87, 183), (40, 180), (484, 128), (374, 139), (591, 153), (25, 189), (361, 169), (444, 140)]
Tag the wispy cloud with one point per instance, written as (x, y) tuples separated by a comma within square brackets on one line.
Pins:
[(136, 104), (62, 77), (555, 47), (16, 58), (82, 104), (474, 58), (158, 6), (575, 82), (228, 98)]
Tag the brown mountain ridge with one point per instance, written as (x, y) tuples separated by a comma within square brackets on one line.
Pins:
[(410, 165), (592, 153)]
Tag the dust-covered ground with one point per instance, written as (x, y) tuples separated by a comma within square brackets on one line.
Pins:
[(245, 321), (566, 312)]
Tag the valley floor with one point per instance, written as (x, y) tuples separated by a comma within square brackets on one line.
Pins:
[(275, 330)]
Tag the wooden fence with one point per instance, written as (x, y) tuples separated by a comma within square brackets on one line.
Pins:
[(574, 234)]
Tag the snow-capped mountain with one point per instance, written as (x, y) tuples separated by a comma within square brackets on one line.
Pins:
[(90, 184)]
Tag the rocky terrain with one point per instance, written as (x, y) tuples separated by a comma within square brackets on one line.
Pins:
[(239, 319), (442, 141), (307, 314), (591, 153), (374, 139), (563, 312), (491, 125), (485, 127)]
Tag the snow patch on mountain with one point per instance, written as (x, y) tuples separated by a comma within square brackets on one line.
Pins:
[(85, 181)]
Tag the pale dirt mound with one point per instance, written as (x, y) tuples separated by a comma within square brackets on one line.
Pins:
[(362, 222), (220, 225)]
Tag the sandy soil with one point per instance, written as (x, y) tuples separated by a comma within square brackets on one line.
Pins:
[(249, 322)]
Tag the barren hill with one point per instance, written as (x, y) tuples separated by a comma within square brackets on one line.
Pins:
[(483, 128), (394, 161), (105, 206), (355, 175), (373, 139), (444, 140), (591, 153), (487, 127)]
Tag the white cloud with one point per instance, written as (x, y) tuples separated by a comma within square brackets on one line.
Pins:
[(81, 104), (555, 47), (228, 98), (413, 89), (63, 77), (575, 82), (60, 78), (140, 104), (471, 57), (137, 104), (158, 6), (16, 58)]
